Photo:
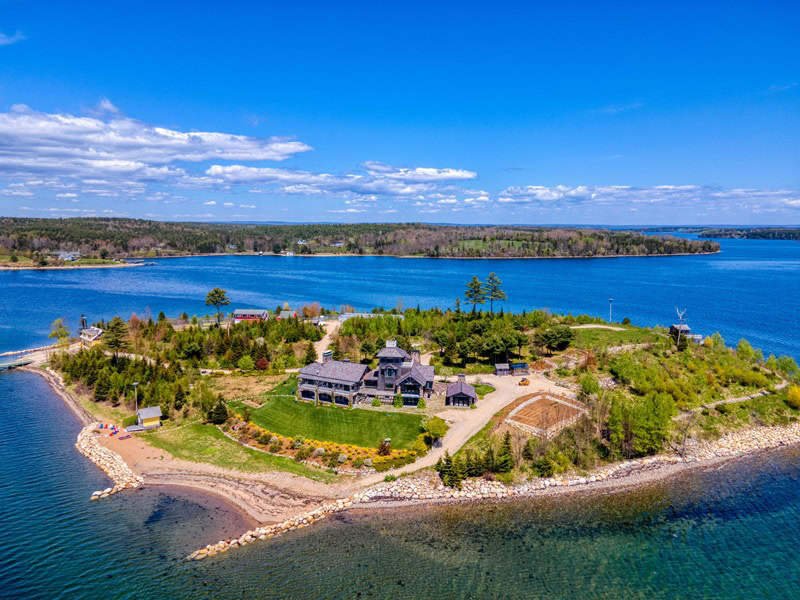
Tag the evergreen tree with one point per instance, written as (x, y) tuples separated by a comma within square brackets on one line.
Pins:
[(476, 293), (115, 335), (219, 414), (398, 400), (217, 298), (311, 353), (489, 461), (505, 460), (102, 386), (493, 291)]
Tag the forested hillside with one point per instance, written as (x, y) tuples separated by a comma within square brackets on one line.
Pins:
[(135, 237)]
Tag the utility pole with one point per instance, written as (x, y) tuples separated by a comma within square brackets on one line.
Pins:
[(135, 385), (610, 304)]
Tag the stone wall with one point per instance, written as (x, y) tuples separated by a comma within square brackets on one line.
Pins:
[(108, 460)]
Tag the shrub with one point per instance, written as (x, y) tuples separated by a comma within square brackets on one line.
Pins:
[(246, 363), (262, 364), (376, 402), (421, 404), (302, 454), (390, 478), (359, 462), (275, 448), (398, 401), (793, 396), (723, 409)]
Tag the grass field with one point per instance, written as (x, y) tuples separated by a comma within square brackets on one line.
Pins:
[(482, 389), (207, 444), (365, 428), (595, 339)]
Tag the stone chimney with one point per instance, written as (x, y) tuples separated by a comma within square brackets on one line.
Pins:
[(462, 377), (326, 356), (391, 343), (415, 355)]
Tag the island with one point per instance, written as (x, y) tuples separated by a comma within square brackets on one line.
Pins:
[(117, 238), (293, 414)]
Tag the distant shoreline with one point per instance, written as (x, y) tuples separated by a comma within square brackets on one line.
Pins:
[(351, 255), (69, 267)]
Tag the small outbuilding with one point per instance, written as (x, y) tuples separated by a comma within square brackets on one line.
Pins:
[(149, 418), (90, 336), (683, 329), (501, 369), (460, 393), (519, 368)]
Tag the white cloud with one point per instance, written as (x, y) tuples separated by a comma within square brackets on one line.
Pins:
[(15, 192), (209, 203), (7, 40), (417, 174), (229, 204), (348, 210), (61, 144), (247, 206), (67, 195)]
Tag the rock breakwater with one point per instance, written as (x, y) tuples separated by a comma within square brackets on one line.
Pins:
[(427, 488), (108, 460)]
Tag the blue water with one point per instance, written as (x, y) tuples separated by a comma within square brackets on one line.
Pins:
[(751, 289), (729, 532)]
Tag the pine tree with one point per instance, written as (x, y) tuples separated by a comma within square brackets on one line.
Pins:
[(493, 291), (219, 414), (115, 335), (102, 386), (311, 353), (489, 461), (476, 293), (505, 460), (446, 469), (217, 298)]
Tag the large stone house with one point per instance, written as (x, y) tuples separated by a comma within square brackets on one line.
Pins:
[(348, 383)]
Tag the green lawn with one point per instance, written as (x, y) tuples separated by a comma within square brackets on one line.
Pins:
[(366, 428), (595, 339), (285, 387), (207, 444), (482, 389)]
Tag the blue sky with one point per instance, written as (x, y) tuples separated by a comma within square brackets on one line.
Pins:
[(585, 113)]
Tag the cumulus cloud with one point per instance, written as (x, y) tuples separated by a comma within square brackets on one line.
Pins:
[(33, 142), (67, 195), (7, 40), (210, 203), (377, 180)]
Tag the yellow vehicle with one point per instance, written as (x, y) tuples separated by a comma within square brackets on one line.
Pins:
[(524, 381)]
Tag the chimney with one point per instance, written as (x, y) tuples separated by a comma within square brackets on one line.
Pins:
[(326, 356), (462, 378), (415, 355), (391, 343)]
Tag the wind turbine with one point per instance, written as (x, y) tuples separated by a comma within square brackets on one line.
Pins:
[(680, 325)]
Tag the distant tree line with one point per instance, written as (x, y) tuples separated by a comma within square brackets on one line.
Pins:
[(115, 238)]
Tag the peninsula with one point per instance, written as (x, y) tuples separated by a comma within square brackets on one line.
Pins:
[(306, 412), (117, 238)]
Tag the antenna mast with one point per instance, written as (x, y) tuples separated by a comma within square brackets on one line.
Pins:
[(680, 325)]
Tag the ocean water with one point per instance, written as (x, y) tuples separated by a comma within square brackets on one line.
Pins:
[(751, 289), (723, 532)]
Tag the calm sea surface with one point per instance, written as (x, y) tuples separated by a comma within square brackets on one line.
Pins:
[(730, 532)]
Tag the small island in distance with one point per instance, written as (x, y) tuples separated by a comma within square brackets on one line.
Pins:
[(39, 241)]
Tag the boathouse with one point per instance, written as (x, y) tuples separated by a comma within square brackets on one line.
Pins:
[(149, 418), (460, 393)]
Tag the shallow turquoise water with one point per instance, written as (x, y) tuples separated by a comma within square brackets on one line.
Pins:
[(729, 532)]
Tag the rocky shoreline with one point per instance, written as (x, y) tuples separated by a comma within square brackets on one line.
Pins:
[(426, 488), (108, 460)]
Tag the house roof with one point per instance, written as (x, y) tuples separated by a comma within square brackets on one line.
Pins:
[(501, 366), (250, 311), (149, 412), (420, 373), (519, 365), (392, 352), (683, 327), (461, 387), (91, 333), (337, 370)]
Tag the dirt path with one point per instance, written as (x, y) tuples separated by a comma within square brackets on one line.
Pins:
[(325, 342), (591, 326), (685, 415)]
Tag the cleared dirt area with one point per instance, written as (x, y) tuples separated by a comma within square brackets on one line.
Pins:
[(242, 387), (543, 412)]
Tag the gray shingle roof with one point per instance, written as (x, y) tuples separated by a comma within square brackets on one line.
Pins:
[(150, 412), (336, 369), (501, 366), (393, 352), (461, 387)]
